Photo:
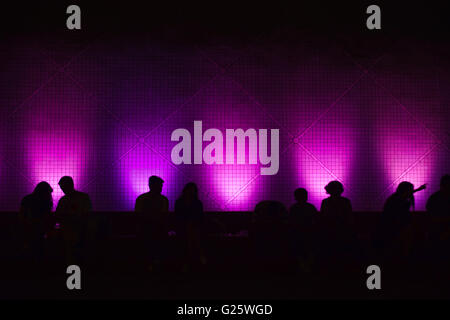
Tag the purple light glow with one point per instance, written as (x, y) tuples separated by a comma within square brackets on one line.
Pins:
[(401, 151), (57, 141), (49, 151), (135, 169), (227, 183), (106, 120)]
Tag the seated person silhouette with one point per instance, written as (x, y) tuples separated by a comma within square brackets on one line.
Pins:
[(395, 220), (302, 212), (35, 215), (336, 208), (189, 219), (336, 220), (269, 231), (438, 208), (72, 212), (302, 216), (153, 209)]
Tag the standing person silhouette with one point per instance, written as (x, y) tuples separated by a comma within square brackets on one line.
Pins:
[(438, 208), (189, 220), (336, 220), (302, 218), (438, 205), (153, 209), (72, 211), (336, 207), (395, 220), (35, 215)]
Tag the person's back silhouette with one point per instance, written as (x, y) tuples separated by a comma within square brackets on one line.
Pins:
[(269, 232), (336, 221), (153, 208), (153, 204), (35, 214), (395, 220), (72, 211), (439, 202), (438, 208), (336, 208), (302, 217), (302, 212), (189, 220)]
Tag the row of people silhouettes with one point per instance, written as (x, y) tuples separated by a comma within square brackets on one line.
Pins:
[(335, 217)]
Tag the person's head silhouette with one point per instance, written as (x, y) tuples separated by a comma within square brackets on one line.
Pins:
[(155, 184), (42, 189), (66, 184), (445, 184), (334, 188), (405, 189), (190, 191), (301, 195)]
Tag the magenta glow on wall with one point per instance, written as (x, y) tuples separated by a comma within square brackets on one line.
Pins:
[(106, 119)]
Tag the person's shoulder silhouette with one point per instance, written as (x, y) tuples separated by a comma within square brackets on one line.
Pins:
[(439, 202), (188, 206), (335, 204), (152, 202), (39, 203), (73, 202), (302, 210), (401, 200)]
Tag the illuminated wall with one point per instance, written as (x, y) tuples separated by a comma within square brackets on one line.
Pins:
[(103, 112)]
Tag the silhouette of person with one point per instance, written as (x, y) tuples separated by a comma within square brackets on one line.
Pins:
[(189, 218), (336, 208), (35, 214), (438, 208), (153, 209), (336, 220), (302, 211), (395, 220), (439, 202), (269, 232), (302, 216), (72, 211)]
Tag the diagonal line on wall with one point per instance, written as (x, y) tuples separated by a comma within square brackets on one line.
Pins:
[(112, 165), (183, 104), (176, 167), (373, 78), (420, 123), (9, 164), (93, 95), (43, 85), (241, 189), (331, 106), (261, 107), (238, 192), (222, 70), (411, 167)]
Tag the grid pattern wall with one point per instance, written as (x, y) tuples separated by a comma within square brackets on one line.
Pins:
[(104, 111)]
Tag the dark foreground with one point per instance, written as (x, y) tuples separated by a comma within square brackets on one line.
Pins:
[(115, 268)]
